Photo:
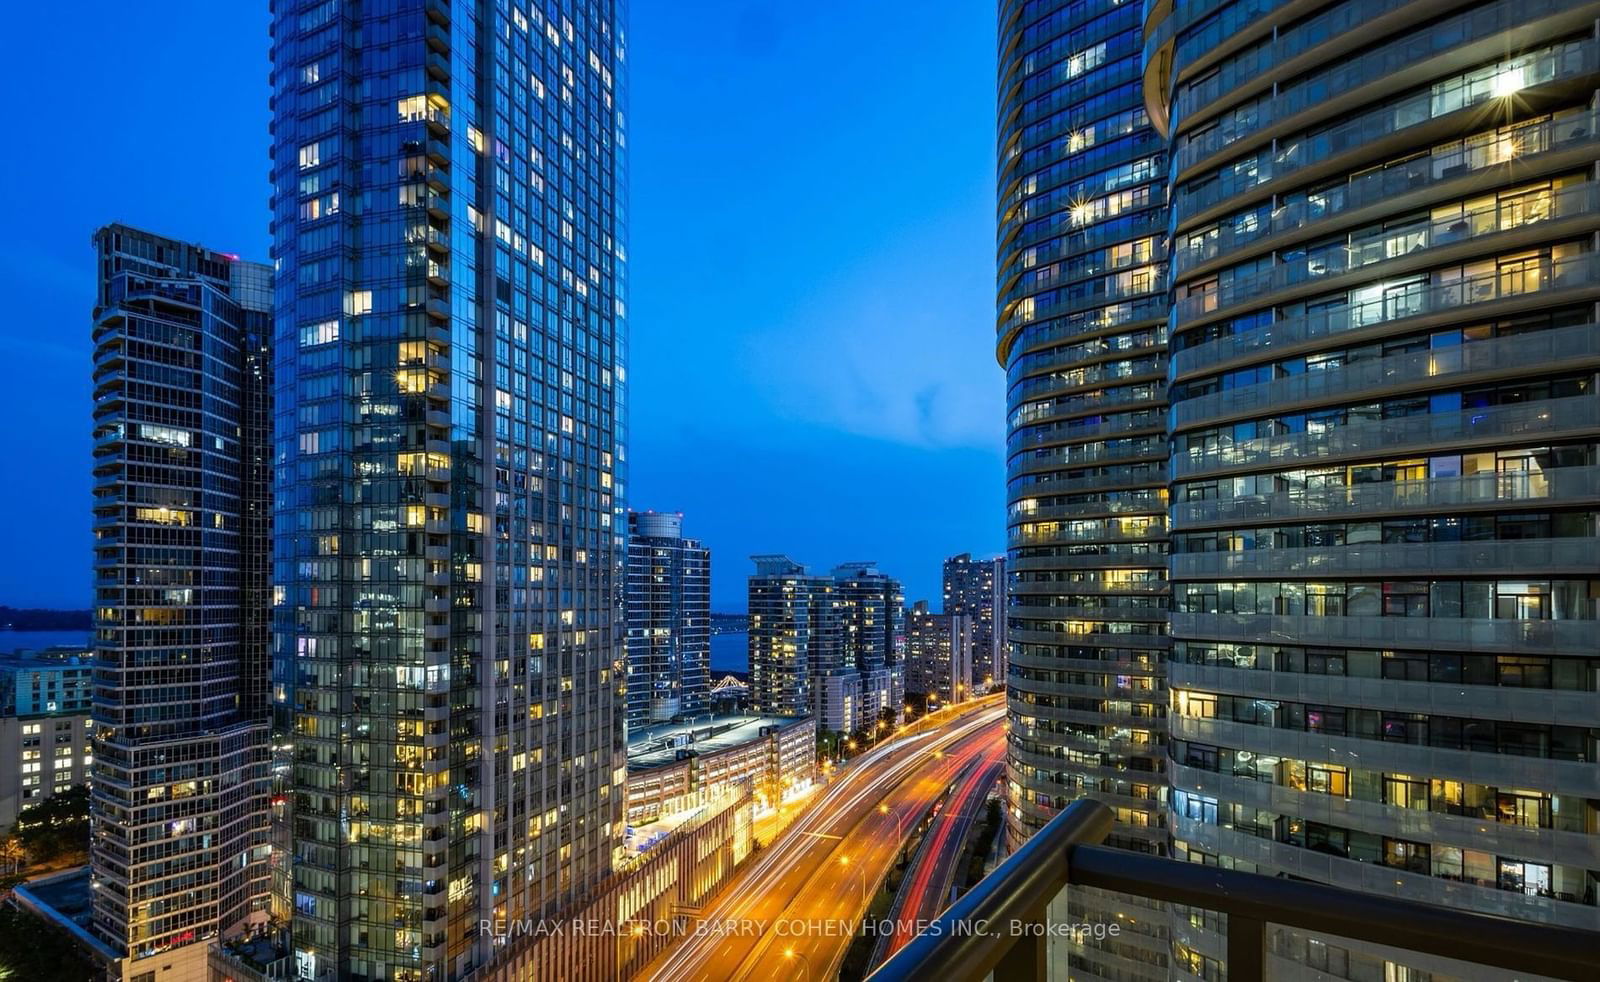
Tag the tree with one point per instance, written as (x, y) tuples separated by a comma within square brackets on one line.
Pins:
[(13, 854), (57, 826)]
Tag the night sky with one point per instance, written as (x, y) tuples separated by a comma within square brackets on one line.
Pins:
[(812, 260)]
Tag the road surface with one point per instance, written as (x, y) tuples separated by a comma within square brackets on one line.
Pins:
[(793, 910)]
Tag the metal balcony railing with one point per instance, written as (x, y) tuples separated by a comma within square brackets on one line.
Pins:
[(1000, 925)]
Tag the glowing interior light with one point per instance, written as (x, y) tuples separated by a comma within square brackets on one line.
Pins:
[(1508, 82)]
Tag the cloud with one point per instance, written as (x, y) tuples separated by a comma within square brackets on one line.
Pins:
[(901, 348)]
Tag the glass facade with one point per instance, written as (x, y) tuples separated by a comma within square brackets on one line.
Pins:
[(1082, 339), (872, 609), (1384, 430), (976, 588), (449, 224), (179, 779), (1082, 336), (795, 649), (669, 620), (939, 654)]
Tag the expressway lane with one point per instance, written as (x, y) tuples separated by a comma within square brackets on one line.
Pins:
[(805, 892), (925, 891)]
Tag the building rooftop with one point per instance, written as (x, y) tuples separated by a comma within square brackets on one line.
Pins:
[(654, 746), (64, 899), (64, 654)]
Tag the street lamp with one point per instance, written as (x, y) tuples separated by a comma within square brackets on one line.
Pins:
[(883, 809), (791, 954)]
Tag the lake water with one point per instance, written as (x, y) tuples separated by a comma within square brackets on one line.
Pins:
[(36, 640), (730, 653)]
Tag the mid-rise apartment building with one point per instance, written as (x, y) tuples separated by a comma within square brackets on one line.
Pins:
[(45, 727)]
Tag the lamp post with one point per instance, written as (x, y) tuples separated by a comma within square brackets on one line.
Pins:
[(791, 954), (883, 809)]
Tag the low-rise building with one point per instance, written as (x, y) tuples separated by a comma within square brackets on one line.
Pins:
[(677, 767), (44, 726)]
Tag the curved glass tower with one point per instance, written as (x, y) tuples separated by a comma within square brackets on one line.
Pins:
[(1082, 335), (1384, 425), (1082, 339)]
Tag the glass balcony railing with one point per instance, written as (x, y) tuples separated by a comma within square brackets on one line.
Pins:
[(1002, 927), (1034, 436), (1145, 503), (1361, 251), (1522, 142), (1557, 637), (1116, 556), (1347, 74), (1082, 454), (1154, 532), (1055, 383), (1047, 332), (1245, 175), (1522, 557), (1414, 370), (1431, 432), (1389, 304), (1568, 485)]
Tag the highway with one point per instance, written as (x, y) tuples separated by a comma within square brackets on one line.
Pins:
[(793, 910), (925, 890)]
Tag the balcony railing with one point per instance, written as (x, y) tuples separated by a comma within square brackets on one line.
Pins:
[(1000, 925)]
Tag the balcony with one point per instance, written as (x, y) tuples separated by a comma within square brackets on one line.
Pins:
[(1557, 138), (1508, 557), (438, 66), (1552, 637), (438, 38), (1507, 224), (1546, 421), (1529, 354), (1483, 491), (1013, 902)]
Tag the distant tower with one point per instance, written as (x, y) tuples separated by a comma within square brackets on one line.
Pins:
[(797, 652), (182, 451), (939, 654), (669, 620), (977, 589), (872, 610)]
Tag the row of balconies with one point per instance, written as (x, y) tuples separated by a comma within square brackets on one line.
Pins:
[(1419, 304), (1548, 214), (1520, 355), (1545, 421), (1564, 637), (1338, 145), (1371, 878), (1559, 136), (1377, 65), (1486, 490), (1507, 557), (1527, 705)]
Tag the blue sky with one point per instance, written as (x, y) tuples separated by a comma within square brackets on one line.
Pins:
[(811, 244)]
